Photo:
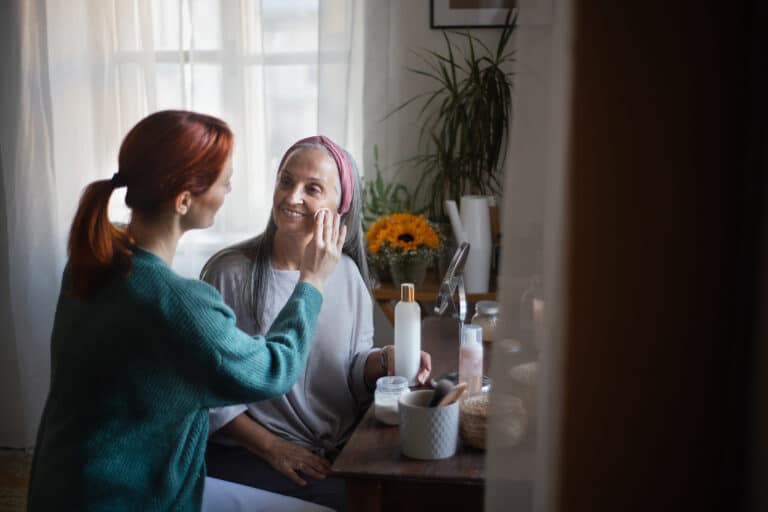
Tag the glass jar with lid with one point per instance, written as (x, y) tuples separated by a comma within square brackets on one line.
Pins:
[(487, 316), (386, 396)]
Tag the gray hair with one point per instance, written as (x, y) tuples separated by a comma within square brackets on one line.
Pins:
[(258, 250)]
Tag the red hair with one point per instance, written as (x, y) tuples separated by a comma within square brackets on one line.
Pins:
[(165, 154)]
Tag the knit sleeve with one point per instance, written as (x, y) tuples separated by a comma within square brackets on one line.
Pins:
[(239, 368)]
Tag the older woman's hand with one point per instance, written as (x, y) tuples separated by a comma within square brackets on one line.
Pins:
[(288, 458), (425, 365), (293, 460), (324, 250)]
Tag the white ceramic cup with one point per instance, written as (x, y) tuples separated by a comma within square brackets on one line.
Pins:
[(427, 432)]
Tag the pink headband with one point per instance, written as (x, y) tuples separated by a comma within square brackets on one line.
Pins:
[(342, 164)]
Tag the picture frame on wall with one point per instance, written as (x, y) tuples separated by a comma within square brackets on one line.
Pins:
[(487, 13)]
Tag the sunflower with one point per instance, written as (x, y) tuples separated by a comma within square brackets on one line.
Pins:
[(402, 234)]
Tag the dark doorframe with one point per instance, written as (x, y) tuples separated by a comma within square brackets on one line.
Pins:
[(663, 259)]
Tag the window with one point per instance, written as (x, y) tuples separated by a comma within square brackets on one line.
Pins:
[(261, 66)]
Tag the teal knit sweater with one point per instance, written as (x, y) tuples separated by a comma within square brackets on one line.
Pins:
[(133, 372)]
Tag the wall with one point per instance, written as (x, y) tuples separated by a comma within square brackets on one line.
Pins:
[(397, 28), (394, 31)]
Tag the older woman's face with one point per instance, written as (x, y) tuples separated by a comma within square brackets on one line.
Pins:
[(307, 182)]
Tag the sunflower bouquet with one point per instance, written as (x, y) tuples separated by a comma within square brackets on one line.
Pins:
[(402, 238)]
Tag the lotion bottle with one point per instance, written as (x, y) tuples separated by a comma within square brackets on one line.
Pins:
[(407, 334), (471, 358)]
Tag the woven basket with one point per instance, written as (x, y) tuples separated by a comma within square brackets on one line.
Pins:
[(473, 420)]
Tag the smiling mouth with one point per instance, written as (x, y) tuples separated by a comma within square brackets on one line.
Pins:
[(292, 213)]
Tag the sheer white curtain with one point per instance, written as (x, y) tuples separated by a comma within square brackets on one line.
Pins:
[(534, 234), (275, 71), (32, 247)]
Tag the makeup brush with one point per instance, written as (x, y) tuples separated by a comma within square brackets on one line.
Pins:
[(442, 388), (453, 395)]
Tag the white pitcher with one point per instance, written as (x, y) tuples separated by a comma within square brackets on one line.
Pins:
[(473, 225)]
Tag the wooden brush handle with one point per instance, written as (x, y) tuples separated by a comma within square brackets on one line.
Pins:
[(453, 394)]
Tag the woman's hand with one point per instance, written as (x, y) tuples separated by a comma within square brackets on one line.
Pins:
[(324, 250), (425, 366), (291, 460), (285, 457)]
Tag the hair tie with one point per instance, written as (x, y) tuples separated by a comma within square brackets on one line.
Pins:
[(117, 180)]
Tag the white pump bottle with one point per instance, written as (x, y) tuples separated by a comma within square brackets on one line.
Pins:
[(407, 334)]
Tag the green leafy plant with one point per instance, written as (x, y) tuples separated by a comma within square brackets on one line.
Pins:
[(465, 117), (380, 198)]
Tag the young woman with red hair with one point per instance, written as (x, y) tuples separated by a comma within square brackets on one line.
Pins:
[(139, 353)]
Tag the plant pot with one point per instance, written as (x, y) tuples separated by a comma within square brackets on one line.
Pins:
[(408, 271), (379, 268)]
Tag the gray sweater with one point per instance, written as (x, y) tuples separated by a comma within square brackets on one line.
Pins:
[(322, 408)]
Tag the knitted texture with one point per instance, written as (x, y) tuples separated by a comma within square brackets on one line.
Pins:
[(134, 370)]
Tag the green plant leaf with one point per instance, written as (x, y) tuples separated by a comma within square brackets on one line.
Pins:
[(464, 119)]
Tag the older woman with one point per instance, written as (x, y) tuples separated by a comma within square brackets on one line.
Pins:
[(285, 445)]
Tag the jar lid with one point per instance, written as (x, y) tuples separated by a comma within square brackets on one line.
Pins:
[(487, 307), (392, 383)]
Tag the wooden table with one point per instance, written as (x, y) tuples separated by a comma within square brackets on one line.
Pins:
[(379, 477), (386, 294)]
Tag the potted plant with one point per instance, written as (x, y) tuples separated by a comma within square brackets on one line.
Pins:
[(380, 198), (408, 243), (466, 118)]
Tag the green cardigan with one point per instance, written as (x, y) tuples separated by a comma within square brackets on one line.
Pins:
[(133, 372)]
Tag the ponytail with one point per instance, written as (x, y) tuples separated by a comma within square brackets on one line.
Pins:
[(165, 154), (98, 251)]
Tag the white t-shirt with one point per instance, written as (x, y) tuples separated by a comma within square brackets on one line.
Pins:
[(324, 405)]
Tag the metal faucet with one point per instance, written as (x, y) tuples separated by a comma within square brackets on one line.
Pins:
[(453, 280)]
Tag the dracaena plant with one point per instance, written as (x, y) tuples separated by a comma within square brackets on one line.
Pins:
[(381, 198), (465, 117)]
